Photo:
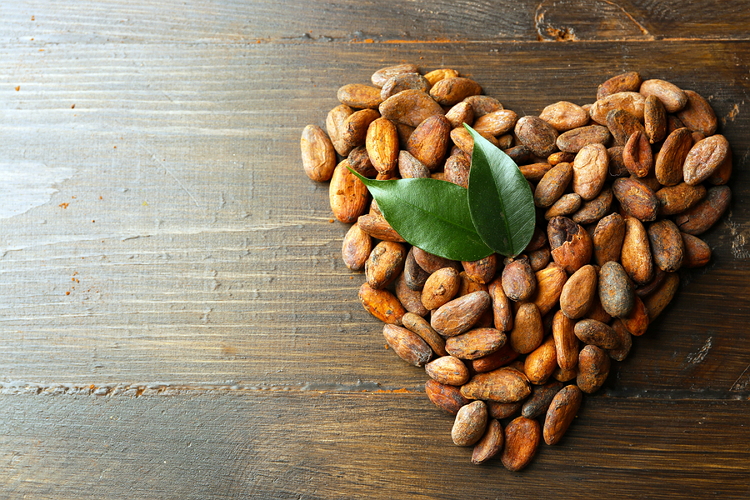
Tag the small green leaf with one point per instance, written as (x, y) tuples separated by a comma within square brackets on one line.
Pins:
[(430, 214), (500, 199)]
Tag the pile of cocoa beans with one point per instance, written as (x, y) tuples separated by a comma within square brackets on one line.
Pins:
[(623, 188)]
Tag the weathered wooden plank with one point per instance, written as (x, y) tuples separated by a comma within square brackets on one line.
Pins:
[(310, 445), (187, 247), (211, 21)]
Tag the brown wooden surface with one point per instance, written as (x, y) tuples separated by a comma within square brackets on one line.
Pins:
[(176, 321)]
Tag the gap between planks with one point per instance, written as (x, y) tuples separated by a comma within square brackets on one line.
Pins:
[(359, 388)]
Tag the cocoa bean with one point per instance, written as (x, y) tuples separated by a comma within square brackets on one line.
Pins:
[(490, 444), (550, 282), (410, 107), (697, 252), (504, 385), (637, 155), (493, 361), (421, 327), (636, 198), (541, 362), (660, 298), (410, 299), (540, 399), (561, 413), (593, 368), (595, 333), (496, 123), (518, 280), (347, 195), (357, 95), (570, 244), (564, 115), (382, 304), (608, 238), (616, 291), (522, 436), (528, 331), (704, 158), (625, 82), (537, 135), (381, 76), (671, 157), (407, 345), (632, 102), (459, 114), (654, 119), (483, 104), (593, 210), (385, 263), (635, 256), (447, 370), (578, 293), (459, 315), (622, 125), (698, 114), (590, 170), (429, 141), (440, 287), (705, 213), (673, 98), (475, 343), (401, 82), (470, 424), (552, 186), (678, 198), (450, 91), (566, 342), (666, 245), (356, 248), (446, 397), (436, 75)]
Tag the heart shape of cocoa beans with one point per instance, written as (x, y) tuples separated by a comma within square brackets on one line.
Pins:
[(623, 189)]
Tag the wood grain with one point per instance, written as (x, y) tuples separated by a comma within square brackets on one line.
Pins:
[(262, 21), (176, 321), (343, 445)]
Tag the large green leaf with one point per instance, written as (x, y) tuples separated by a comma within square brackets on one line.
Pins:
[(500, 200), (430, 214)]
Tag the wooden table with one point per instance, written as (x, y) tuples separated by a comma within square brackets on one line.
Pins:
[(176, 320)]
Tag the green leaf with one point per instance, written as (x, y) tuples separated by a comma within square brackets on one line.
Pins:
[(500, 199), (430, 214)]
